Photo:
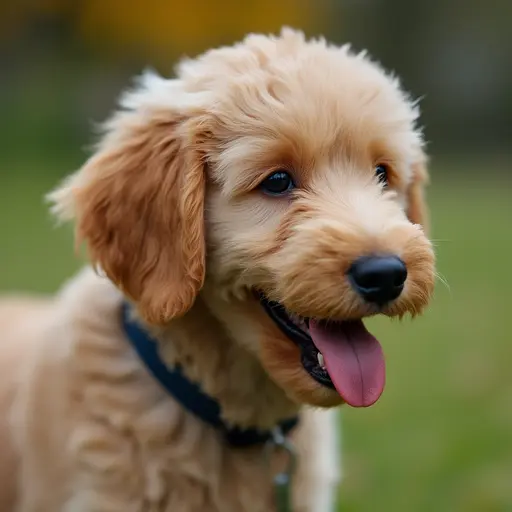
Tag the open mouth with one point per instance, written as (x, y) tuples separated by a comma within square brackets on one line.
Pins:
[(341, 355)]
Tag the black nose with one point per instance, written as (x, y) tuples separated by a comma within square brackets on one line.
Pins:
[(378, 279)]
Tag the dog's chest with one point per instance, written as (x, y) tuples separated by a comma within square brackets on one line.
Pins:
[(186, 469), (222, 482), (188, 494)]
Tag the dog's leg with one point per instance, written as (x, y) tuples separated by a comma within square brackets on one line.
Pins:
[(319, 470)]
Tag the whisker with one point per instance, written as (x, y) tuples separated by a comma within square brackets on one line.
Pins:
[(444, 281), (439, 240)]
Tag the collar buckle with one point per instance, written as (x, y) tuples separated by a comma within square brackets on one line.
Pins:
[(283, 479)]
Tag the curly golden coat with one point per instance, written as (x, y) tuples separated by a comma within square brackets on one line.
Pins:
[(171, 213)]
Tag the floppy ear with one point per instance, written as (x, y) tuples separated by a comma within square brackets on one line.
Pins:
[(417, 210), (138, 201)]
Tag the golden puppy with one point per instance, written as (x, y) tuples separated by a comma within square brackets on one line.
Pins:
[(252, 211)]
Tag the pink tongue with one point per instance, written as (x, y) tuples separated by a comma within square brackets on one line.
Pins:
[(353, 358)]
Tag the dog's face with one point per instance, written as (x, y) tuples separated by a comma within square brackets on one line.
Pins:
[(290, 175)]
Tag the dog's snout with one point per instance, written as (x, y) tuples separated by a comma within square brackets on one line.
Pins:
[(378, 279)]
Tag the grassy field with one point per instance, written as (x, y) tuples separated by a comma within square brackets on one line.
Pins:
[(440, 439)]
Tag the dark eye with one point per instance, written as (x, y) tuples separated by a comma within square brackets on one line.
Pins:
[(278, 183), (381, 171)]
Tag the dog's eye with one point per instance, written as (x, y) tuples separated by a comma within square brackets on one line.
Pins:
[(278, 183), (381, 171)]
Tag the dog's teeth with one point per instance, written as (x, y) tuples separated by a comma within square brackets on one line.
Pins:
[(321, 362)]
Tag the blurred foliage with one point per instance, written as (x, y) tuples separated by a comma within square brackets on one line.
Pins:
[(155, 26), (65, 61)]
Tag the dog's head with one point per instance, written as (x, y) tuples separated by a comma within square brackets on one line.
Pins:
[(289, 174)]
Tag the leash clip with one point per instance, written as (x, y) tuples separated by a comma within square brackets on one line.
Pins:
[(283, 480)]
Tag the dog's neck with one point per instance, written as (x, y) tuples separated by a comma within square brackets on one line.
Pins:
[(216, 345)]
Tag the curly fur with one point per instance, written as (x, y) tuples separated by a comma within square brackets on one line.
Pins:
[(170, 211)]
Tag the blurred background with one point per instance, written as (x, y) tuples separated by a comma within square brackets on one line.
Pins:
[(440, 439)]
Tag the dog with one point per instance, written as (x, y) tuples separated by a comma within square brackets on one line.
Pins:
[(241, 221)]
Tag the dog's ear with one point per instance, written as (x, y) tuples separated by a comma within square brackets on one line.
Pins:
[(138, 202), (417, 210)]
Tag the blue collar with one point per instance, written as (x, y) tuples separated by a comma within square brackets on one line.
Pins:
[(188, 393)]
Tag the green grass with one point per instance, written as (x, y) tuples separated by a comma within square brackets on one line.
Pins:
[(439, 440)]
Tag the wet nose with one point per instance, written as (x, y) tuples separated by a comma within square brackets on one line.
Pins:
[(378, 279)]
